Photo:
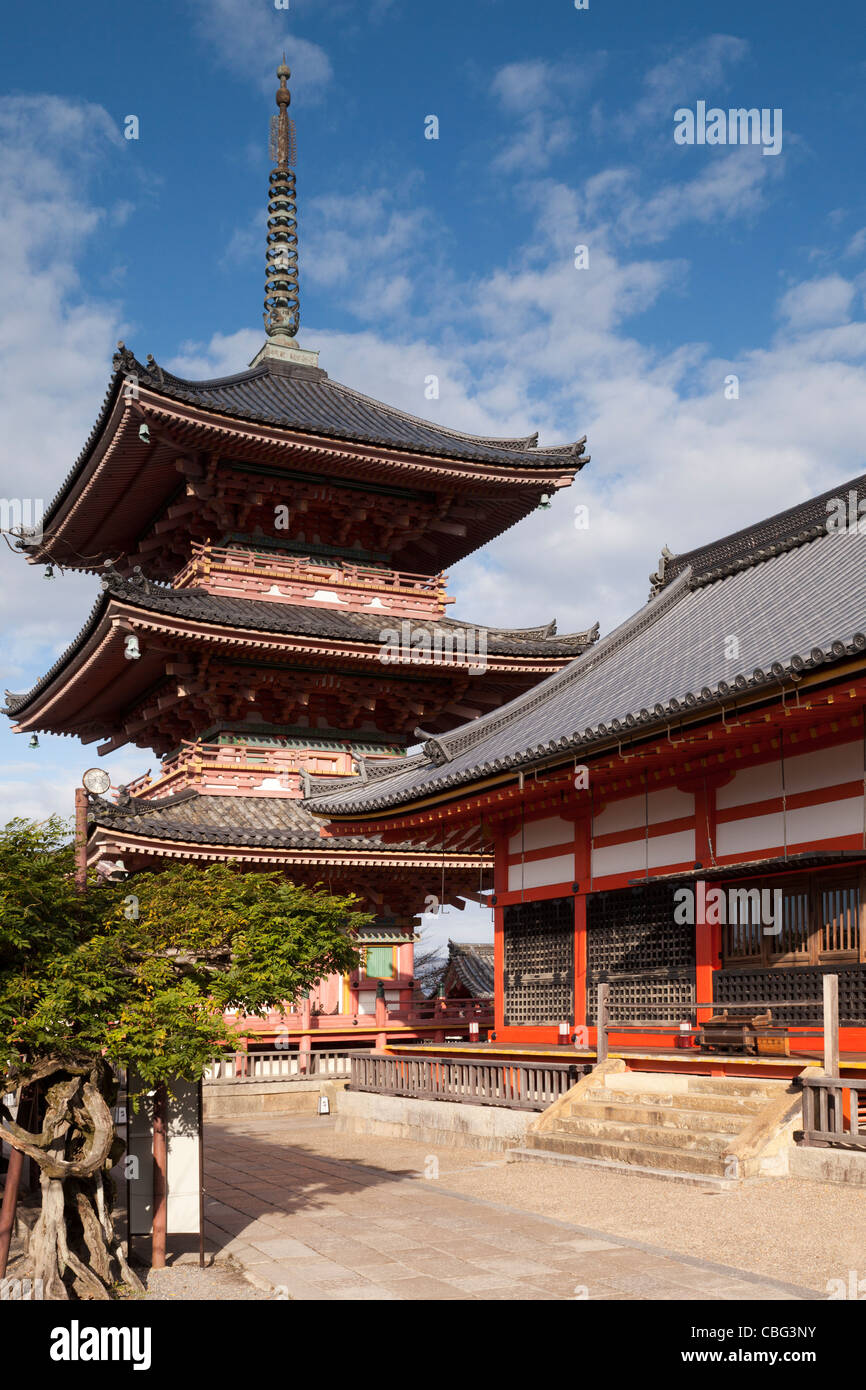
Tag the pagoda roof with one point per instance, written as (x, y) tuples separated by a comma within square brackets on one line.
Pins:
[(306, 398), (284, 414), (237, 823), (260, 821), (790, 588), (470, 963), (206, 611)]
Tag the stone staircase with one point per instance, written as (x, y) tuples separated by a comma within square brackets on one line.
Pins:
[(702, 1129)]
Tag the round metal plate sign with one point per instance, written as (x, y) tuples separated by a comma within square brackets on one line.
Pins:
[(96, 780)]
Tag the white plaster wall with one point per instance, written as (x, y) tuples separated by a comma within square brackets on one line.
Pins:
[(538, 834), (538, 873)]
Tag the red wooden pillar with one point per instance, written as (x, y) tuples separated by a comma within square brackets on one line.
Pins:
[(708, 938), (160, 1175), (500, 886), (582, 852)]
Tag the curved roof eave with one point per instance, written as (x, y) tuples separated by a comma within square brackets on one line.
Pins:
[(569, 457)]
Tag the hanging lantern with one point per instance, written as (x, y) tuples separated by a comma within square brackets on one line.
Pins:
[(34, 742)]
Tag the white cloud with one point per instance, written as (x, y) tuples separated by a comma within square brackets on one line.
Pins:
[(544, 98), (815, 303), (731, 186), (248, 37), (55, 338), (700, 70), (857, 245)]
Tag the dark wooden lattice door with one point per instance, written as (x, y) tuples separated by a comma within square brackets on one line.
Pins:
[(648, 959), (539, 962)]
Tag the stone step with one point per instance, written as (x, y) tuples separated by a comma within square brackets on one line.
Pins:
[(652, 1156), (737, 1086), (675, 1117), (656, 1136), (678, 1082), (679, 1100), (706, 1182)]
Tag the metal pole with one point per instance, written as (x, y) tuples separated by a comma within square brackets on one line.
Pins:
[(160, 1185), (831, 1025), (601, 1020), (200, 1175)]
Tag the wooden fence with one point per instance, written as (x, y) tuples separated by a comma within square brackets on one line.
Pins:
[(238, 1067), (518, 1085), (834, 1111)]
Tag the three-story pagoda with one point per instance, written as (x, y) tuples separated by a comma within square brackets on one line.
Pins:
[(272, 548)]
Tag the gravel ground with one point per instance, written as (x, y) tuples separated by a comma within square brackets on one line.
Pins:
[(181, 1281), (186, 1282), (799, 1232)]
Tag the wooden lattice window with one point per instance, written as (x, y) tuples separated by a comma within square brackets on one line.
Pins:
[(742, 936), (839, 919), (819, 920)]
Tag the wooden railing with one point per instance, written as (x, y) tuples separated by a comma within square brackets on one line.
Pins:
[(517, 1085), (307, 568), (238, 1067), (827, 1030), (240, 762), (834, 1111), (422, 1009)]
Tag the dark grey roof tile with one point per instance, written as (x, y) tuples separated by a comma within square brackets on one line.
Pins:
[(804, 606)]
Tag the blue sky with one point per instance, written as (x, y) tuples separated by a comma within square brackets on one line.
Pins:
[(452, 256)]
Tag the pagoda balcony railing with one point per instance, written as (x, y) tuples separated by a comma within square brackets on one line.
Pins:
[(415, 1012), (305, 578), (242, 768)]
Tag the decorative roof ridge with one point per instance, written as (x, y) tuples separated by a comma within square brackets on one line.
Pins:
[(137, 806), (520, 445), (790, 533), (319, 787), (589, 635), (524, 443), (542, 631), (759, 556), (248, 374)]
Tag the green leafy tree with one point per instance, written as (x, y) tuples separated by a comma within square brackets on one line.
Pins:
[(132, 974)]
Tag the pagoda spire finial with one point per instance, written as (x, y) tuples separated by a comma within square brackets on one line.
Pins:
[(282, 311)]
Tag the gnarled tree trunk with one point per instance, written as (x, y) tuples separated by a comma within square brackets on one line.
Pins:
[(74, 1246)]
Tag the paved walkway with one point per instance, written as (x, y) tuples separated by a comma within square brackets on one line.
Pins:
[(314, 1226)]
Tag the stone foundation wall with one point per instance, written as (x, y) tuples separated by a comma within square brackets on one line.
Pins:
[(268, 1097), (441, 1122)]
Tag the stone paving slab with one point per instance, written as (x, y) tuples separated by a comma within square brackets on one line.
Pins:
[(321, 1228)]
